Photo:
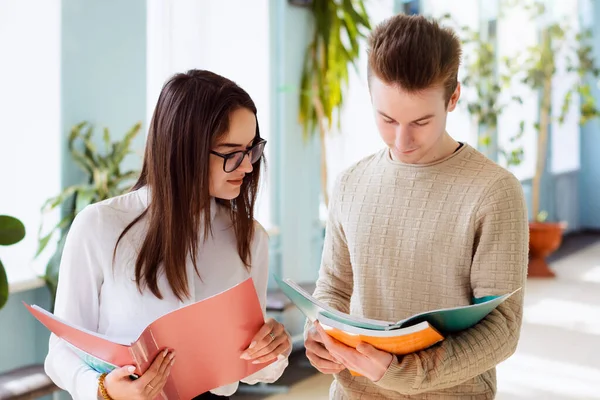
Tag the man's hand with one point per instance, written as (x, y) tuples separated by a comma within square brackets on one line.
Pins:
[(365, 360), (318, 355)]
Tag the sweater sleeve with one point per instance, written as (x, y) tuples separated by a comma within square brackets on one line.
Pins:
[(80, 280), (499, 266), (334, 285)]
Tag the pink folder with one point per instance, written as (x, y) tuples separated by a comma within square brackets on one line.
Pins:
[(208, 337)]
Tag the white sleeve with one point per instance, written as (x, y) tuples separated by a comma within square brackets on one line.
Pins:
[(77, 301), (260, 275)]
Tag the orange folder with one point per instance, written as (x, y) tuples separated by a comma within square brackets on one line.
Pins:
[(398, 341), (208, 337)]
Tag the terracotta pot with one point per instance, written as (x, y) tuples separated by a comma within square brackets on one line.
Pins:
[(544, 239)]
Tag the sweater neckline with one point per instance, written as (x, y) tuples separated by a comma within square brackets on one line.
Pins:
[(462, 149)]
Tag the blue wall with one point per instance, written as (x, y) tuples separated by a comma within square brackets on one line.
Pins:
[(103, 71), (589, 182), (560, 198), (297, 164), (26, 342), (559, 194), (103, 80)]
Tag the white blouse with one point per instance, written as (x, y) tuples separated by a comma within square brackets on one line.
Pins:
[(93, 295)]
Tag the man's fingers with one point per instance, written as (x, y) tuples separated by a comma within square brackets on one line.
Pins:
[(367, 350), (332, 371), (321, 363), (320, 350), (330, 343), (345, 354), (313, 334), (322, 334)]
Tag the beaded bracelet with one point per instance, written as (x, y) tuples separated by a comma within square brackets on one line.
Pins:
[(103, 391)]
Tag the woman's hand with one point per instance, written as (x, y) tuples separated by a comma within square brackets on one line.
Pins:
[(120, 387), (269, 343)]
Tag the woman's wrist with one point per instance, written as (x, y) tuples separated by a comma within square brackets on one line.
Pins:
[(102, 392)]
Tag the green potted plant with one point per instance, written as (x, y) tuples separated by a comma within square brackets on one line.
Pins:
[(339, 25), (483, 84), (104, 180), (537, 68), (12, 231)]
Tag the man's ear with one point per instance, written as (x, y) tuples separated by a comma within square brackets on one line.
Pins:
[(454, 98)]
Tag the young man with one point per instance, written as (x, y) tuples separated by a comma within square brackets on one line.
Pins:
[(426, 223)]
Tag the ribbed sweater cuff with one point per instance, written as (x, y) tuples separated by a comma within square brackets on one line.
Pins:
[(400, 376)]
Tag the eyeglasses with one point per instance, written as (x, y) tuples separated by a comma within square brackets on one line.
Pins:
[(232, 161)]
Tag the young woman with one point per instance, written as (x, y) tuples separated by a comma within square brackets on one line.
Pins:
[(185, 232)]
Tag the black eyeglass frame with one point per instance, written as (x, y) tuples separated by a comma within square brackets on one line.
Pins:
[(246, 152)]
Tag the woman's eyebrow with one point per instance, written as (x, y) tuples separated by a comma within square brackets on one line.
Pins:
[(230, 145), (235, 145)]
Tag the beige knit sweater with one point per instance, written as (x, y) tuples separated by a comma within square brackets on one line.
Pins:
[(403, 239)]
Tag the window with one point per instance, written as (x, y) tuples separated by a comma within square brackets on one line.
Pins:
[(464, 13), (565, 137), (30, 132), (516, 32)]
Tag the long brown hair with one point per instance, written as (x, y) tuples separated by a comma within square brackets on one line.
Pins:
[(192, 113)]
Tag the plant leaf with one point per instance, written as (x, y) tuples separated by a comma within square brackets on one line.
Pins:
[(125, 177), (12, 230), (43, 241), (54, 202), (90, 152), (362, 19), (334, 48), (122, 148), (104, 180), (75, 133), (85, 197), (106, 139), (3, 286), (52, 269)]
